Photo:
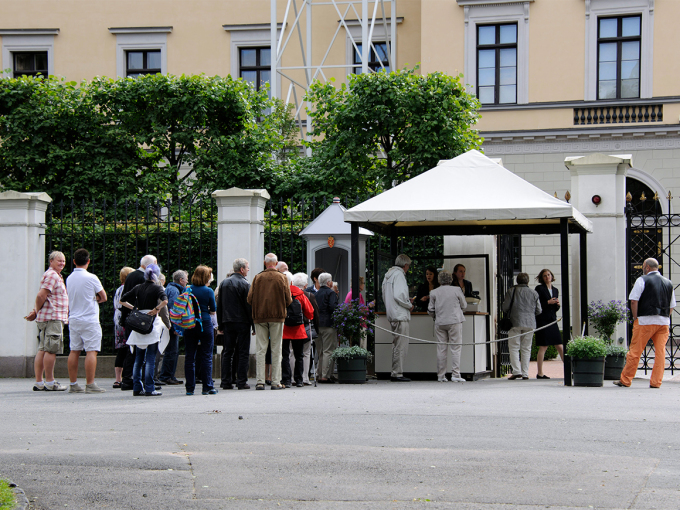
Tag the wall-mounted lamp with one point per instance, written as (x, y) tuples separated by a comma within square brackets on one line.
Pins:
[(596, 200)]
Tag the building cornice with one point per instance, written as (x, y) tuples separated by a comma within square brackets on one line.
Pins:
[(250, 26), (29, 31), (140, 30), (378, 21), (602, 131), (581, 104), (466, 3)]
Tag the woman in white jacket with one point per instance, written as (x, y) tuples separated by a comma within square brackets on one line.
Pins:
[(446, 306)]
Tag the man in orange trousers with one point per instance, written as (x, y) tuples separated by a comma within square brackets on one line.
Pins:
[(651, 302)]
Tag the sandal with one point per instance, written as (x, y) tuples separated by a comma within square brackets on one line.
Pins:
[(116, 385), (259, 386), (278, 387)]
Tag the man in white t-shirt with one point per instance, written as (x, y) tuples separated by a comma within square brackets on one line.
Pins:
[(85, 333)]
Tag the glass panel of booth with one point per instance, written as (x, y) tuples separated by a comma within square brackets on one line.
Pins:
[(477, 271)]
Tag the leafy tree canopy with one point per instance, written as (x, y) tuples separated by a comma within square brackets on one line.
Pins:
[(130, 137), (381, 129)]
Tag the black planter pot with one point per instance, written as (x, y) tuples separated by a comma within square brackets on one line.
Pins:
[(352, 371), (613, 365), (588, 372)]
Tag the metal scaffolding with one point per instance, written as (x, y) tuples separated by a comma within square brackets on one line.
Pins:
[(289, 39)]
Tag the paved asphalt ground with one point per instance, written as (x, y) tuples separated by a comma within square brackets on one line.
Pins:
[(491, 444)]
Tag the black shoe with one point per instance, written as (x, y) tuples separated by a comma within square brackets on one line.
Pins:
[(138, 393), (513, 377), (620, 384), (542, 377), (299, 385), (227, 386), (268, 382), (126, 387), (400, 379), (171, 382), (244, 387), (525, 378), (154, 394), (177, 381), (158, 382)]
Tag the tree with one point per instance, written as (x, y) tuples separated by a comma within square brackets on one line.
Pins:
[(53, 139), (216, 126), (384, 128)]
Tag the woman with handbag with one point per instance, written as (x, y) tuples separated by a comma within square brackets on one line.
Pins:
[(522, 305), (550, 303), (149, 298)]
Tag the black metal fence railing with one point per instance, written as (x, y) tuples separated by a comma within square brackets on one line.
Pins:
[(652, 233), (119, 234)]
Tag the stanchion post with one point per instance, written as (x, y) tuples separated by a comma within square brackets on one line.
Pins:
[(566, 312)]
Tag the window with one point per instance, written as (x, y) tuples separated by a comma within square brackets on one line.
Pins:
[(377, 60), (497, 63), (30, 63), (618, 57), (255, 66), (141, 62)]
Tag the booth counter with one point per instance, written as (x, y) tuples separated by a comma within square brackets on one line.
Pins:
[(421, 360)]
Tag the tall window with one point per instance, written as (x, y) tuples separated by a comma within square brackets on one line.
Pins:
[(255, 66), (377, 59), (618, 57), (30, 63), (139, 62), (497, 63)]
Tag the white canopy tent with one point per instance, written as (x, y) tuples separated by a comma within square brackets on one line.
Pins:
[(474, 195)]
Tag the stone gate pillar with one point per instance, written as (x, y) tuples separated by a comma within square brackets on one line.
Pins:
[(22, 248), (605, 176), (240, 228)]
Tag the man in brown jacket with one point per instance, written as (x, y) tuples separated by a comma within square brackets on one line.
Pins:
[(269, 296)]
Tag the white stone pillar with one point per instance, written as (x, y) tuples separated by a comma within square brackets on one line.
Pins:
[(22, 247), (240, 228), (599, 174)]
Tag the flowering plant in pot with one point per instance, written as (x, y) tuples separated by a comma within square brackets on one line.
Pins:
[(605, 316), (351, 322), (587, 360)]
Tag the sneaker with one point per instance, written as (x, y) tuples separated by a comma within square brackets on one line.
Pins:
[(39, 387), (55, 387), (457, 379), (443, 380), (209, 392), (93, 388), (75, 388)]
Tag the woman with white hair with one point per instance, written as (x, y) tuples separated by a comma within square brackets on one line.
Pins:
[(294, 331), (327, 300), (446, 305), (150, 298)]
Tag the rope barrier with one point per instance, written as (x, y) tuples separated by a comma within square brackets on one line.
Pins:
[(478, 343)]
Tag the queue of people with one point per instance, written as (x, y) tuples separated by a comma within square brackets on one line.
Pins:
[(278, 308)]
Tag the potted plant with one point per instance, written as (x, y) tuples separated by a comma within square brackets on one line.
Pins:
[(604, 317), (587, 360), (614, 361), (349, 319)]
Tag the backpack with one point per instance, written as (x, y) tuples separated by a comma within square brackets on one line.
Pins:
[(294, 316), (185, 312)]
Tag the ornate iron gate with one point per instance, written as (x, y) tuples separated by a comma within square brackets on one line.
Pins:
[(651, 233), (504, 276)]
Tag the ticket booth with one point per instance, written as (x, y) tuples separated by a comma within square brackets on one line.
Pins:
[(328, 246)]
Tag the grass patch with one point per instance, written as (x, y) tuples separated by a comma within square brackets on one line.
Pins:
[(7, 499)]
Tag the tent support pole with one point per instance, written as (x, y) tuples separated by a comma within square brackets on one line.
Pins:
[(566, 312), (394, 244), (355, 261), (584, 280)]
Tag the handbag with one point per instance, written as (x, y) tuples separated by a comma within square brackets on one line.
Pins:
[(140, 322), (506, 323)]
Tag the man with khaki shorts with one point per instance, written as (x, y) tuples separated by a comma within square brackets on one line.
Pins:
[(50, 314), (85, 332)]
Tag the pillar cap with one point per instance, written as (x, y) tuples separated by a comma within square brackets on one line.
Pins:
[(17, 195), (598, 159), (238, 192)]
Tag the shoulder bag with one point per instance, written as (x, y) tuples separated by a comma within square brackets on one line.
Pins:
[(140, 322), (506, 323)]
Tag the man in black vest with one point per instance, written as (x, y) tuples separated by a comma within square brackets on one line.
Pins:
[(133, 279), (651, 302)]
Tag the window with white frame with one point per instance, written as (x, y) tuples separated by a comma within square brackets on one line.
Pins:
[(255, 66), (378, 59), (141, 50), (497, 50), (28, 52), (619, 52)]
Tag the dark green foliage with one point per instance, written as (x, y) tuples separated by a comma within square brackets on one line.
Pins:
[(586, 347), (381, 129)]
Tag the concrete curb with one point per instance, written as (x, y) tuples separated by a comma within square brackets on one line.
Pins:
[(22, 500)]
